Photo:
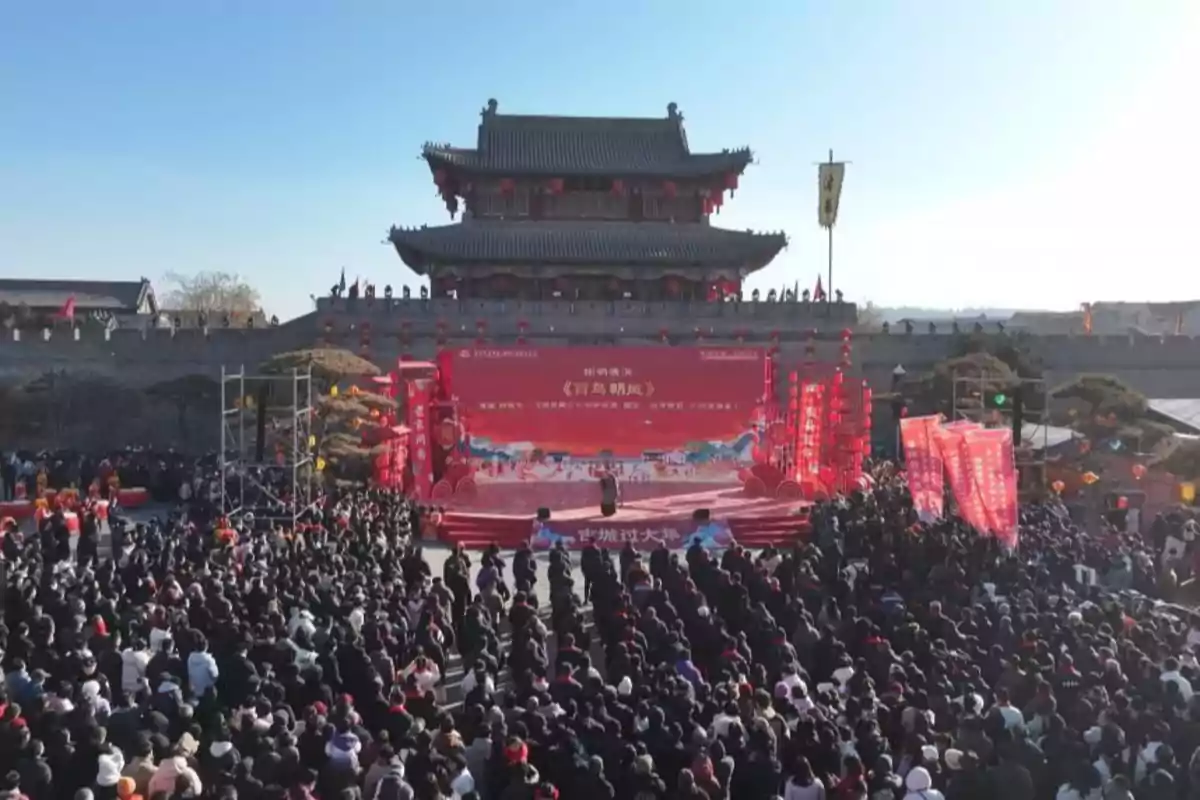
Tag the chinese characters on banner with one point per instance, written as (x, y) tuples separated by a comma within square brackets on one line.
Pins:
[(994, 478), (951, 445), (419, 395), (923, 465), (623, 402), (812, 431), (615, 534)]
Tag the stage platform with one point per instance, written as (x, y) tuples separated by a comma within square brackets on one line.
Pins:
[(752, 522)]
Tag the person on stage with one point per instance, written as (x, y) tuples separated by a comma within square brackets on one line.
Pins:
[(610, 493)]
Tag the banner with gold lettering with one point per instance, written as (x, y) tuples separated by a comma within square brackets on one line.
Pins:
[(923, 465), (647, 414), (994, 480), (811, 432), (420, 394), (957, 464)]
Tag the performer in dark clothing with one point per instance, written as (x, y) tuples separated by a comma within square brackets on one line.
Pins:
[(610, 494)]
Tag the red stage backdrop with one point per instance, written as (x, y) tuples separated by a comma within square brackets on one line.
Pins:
[(652, 414)]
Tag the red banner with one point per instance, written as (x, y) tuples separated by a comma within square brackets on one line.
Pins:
[(811, 432), (419, 396), (923, 465), (607, 402), (994, 480)]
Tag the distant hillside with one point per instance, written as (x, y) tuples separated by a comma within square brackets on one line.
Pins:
[(910, 312)]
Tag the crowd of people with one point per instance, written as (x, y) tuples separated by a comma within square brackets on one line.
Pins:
[(883, 658)]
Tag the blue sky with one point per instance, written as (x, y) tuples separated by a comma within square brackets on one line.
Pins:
[(1020, 153)]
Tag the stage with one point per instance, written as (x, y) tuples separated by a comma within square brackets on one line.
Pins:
[(669, 519)]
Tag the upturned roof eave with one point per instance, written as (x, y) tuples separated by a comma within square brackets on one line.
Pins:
[(761, 249), (469, 162)]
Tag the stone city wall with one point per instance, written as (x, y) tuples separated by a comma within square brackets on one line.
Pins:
[(1160, 367)]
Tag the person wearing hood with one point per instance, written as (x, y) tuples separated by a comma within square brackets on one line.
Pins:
[(919, 785), (109, 764), (461, 782), (169, 773), (387, 763), (141, 767), (343, 748), (202, 669), (134, 660), (220, 757)]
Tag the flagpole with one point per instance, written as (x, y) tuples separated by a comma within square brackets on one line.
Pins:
[(829, 284)]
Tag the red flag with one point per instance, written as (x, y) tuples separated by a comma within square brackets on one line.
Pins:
[(67, 312), (923, 465), (819, 292)]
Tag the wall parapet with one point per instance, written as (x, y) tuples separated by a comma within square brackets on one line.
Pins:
[(818, 315)]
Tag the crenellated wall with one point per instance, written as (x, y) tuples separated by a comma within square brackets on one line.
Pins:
[(1159, 367)]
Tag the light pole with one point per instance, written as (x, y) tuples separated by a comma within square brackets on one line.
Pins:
[(897, 402)]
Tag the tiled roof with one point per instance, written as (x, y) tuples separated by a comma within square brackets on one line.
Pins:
[(516, 144), (123, 296), (592, 243)]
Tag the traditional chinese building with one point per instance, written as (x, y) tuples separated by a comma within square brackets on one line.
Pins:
[(584, 208)]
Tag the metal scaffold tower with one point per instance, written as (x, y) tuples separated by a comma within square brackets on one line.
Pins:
[(994, 403), (267, 444)]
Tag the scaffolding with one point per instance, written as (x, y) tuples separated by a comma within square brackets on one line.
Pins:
[(969, 395), (266, 443)]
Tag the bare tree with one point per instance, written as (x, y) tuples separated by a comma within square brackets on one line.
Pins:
[(210, 292), (870, 318)]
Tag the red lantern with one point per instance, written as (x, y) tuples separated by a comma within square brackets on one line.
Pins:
[(670, 189), (1122, 502), (618, 187), (731, 180), (522, 325), (556, 185), (1139, 471), (439, 176), (903, 411), (507, 185), (706, 206)]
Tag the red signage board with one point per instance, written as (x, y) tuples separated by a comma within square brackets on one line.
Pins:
[(608, 402)]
